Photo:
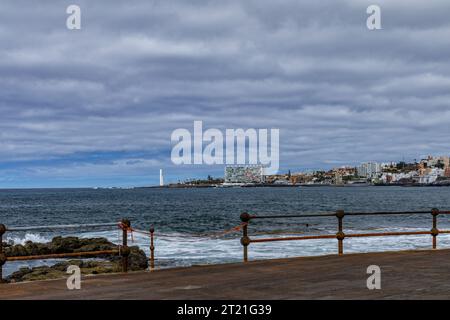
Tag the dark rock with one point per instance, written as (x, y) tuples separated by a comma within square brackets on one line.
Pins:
[(109, 263), (138, 260)]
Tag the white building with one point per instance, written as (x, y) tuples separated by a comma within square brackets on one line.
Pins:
[(369, 169), (395, 177), (432, 176)]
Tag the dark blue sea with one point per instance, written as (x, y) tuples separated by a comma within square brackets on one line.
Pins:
[(188, 222)]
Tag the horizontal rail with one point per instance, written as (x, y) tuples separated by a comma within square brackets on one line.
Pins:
[(246, 218), (386, 234), (350, 235), (318, 215), (62, 255), (331, 236), (386, 213), (293, 216), (62, 226)]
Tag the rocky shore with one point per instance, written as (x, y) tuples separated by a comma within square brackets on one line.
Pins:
[(95, 265)]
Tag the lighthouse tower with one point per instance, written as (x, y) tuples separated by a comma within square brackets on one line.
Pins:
[(161, 178)]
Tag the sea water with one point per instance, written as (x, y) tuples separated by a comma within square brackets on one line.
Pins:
[(189, 222)]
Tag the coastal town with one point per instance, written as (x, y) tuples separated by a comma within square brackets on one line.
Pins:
[(430, 171)]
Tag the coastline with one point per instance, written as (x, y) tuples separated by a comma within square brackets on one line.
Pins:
[(185, 186)]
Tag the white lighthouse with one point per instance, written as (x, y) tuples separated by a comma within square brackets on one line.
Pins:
[(161, 178)]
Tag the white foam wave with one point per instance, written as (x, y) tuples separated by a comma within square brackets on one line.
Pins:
[(35, 237)]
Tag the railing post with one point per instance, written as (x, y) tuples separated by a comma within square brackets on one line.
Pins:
[(340, 235), (245, 240), (435, 230), (2, 254), (125, 250), (152, 250)]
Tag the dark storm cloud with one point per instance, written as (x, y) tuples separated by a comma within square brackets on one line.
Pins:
[(136, 71)]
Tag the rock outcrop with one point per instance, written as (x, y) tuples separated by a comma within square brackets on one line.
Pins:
[(100, 264)]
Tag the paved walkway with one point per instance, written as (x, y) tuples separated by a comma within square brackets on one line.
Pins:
[(405, 275)]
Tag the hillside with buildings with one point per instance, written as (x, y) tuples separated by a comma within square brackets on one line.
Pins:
[(431, 171)]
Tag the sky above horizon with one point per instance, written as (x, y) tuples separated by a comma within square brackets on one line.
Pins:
[(97, 106)]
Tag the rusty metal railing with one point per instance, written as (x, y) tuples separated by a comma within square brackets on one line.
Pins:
[(123, 249), (340, 235)]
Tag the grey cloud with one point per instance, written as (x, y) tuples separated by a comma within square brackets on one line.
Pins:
[(135, 72)]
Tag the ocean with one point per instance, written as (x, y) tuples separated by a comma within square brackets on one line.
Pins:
[(188, 222)]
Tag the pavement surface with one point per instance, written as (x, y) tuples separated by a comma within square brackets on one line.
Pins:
[(404, 275)]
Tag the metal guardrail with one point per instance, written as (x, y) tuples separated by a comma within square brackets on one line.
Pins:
[(245, 217), (123, 249), (340, 235)]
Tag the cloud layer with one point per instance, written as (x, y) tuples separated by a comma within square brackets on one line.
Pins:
[(97, 106)]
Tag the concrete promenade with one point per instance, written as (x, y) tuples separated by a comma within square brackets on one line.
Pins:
[(405, 275)]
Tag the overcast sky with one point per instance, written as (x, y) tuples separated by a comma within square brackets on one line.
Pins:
[(97, 106)]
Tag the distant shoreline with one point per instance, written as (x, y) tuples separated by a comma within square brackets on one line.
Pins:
[(187, 186), (231, 186)]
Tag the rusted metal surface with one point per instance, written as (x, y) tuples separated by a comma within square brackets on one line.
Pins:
[(2, 255), (434, 229), (347, 235), (318, 215), (62, 255), (341, 235), (331, 236), (124, 250), (386, 234), (152, 250), (292, 216), (245, 240), (383, 213)]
